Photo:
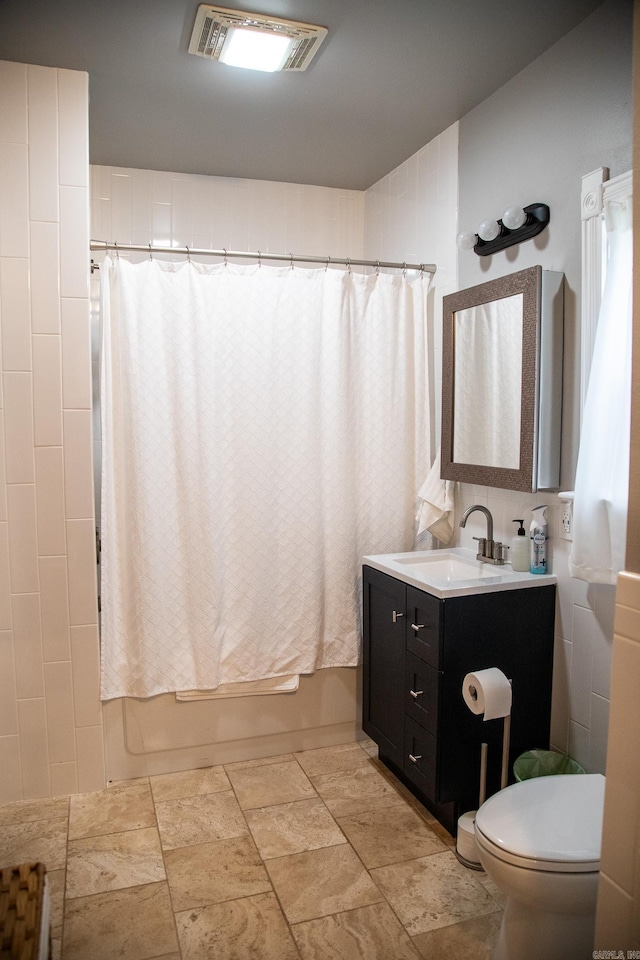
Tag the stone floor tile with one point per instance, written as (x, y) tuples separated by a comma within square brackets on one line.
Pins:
[(43, 840), (321, 882), (344, 756), (214, 872), (469, 940), (433, 892), (111, 811), (266, 785), (189, 783), (356, 791), (113, 861), (49, 808), (380, 839), (371, 932), (191, 820), (259, 762), (132, 924), (55, 883), (252, 927), (293, 827)]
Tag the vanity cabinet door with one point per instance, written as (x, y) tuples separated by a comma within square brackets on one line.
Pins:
[(424, 626), (420, 764), (384, 619), (421, 685)]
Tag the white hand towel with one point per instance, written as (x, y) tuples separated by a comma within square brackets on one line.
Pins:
[(437, 509)]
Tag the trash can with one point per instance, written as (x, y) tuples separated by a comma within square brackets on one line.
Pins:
[(543, 763)]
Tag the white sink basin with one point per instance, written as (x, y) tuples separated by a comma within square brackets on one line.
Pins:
[(454, 572), (449, 566)]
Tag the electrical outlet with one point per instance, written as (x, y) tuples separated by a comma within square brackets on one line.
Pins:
[(566, 521)]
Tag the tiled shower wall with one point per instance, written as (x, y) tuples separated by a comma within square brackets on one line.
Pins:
[(50, 714)]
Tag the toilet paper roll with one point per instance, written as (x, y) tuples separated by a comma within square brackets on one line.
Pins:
[(487, 692)]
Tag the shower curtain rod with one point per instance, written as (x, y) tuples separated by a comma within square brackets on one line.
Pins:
[(288, 257)]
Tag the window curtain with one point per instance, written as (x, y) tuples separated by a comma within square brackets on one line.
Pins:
[(602, 475), (263, 429)]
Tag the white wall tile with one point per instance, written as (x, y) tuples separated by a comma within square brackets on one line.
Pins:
[(54, 603), (45, 277), (81, 571), (8, 695), (74, 127), (18, 422), (27, 645), (23, 552), (43, 143), (47, 390), (599, 733), (60, 713), (14, 200), (74, 242), (78, 470), (13, 101), (5, 579), (15, 313), (91, 770), (51, 529), (76, 355), (581, 666), (85, 646), (11, 779), (3, 471), (33, 747), (64, 778)]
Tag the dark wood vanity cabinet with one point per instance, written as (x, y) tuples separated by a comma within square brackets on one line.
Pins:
[(418, 649)]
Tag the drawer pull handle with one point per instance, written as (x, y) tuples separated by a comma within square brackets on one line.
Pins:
[(396, 616), (417, 626), (416, 693), (415, 759)]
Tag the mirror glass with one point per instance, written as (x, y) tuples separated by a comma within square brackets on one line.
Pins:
[(502, 382), (487, 372)]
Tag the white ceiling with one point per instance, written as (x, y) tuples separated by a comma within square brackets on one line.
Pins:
[(390, 76)]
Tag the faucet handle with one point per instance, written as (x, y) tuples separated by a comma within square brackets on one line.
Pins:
[(482, 546), (500, 551)]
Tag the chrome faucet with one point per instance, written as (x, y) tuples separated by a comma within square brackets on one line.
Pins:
[(489, 550)]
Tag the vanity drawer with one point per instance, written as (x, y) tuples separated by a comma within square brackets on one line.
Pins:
[(420, 757), (424, 626), (422, 685)]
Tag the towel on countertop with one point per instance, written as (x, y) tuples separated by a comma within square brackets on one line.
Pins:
[(438, 506)]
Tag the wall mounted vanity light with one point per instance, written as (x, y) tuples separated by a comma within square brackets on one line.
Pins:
[(517, 224)]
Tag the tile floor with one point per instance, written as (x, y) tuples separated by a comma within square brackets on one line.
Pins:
[(319, 855)]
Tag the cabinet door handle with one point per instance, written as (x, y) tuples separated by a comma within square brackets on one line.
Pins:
[(415, 759), (396, 616), (417, 626), (416, 693)]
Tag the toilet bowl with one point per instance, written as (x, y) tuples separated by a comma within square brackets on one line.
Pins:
[(539, 841)]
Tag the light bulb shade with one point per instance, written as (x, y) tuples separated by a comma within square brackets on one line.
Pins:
[(466, 240), (514, 217), (488, 229)]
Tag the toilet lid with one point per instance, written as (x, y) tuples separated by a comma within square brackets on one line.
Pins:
[(555, 818)]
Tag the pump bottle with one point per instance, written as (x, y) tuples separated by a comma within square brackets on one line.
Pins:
[(538, 540), (520, 551)]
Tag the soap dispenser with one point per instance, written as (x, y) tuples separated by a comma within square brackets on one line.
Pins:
[(538, 536), (520, 549)]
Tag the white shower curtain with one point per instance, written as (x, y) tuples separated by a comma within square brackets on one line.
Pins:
[(263, 428), (602, 474)]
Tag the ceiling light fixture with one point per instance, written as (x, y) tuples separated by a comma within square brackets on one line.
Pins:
[(254, 41), (517, 224)]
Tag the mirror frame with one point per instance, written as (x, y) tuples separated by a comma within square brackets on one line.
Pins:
[(529, 283)]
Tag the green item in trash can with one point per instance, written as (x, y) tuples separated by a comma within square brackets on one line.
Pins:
[(543, 763)]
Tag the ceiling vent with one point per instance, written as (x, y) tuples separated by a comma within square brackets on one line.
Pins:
[(295, 44)]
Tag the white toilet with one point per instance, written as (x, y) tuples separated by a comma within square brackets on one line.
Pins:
[(539, 841)]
